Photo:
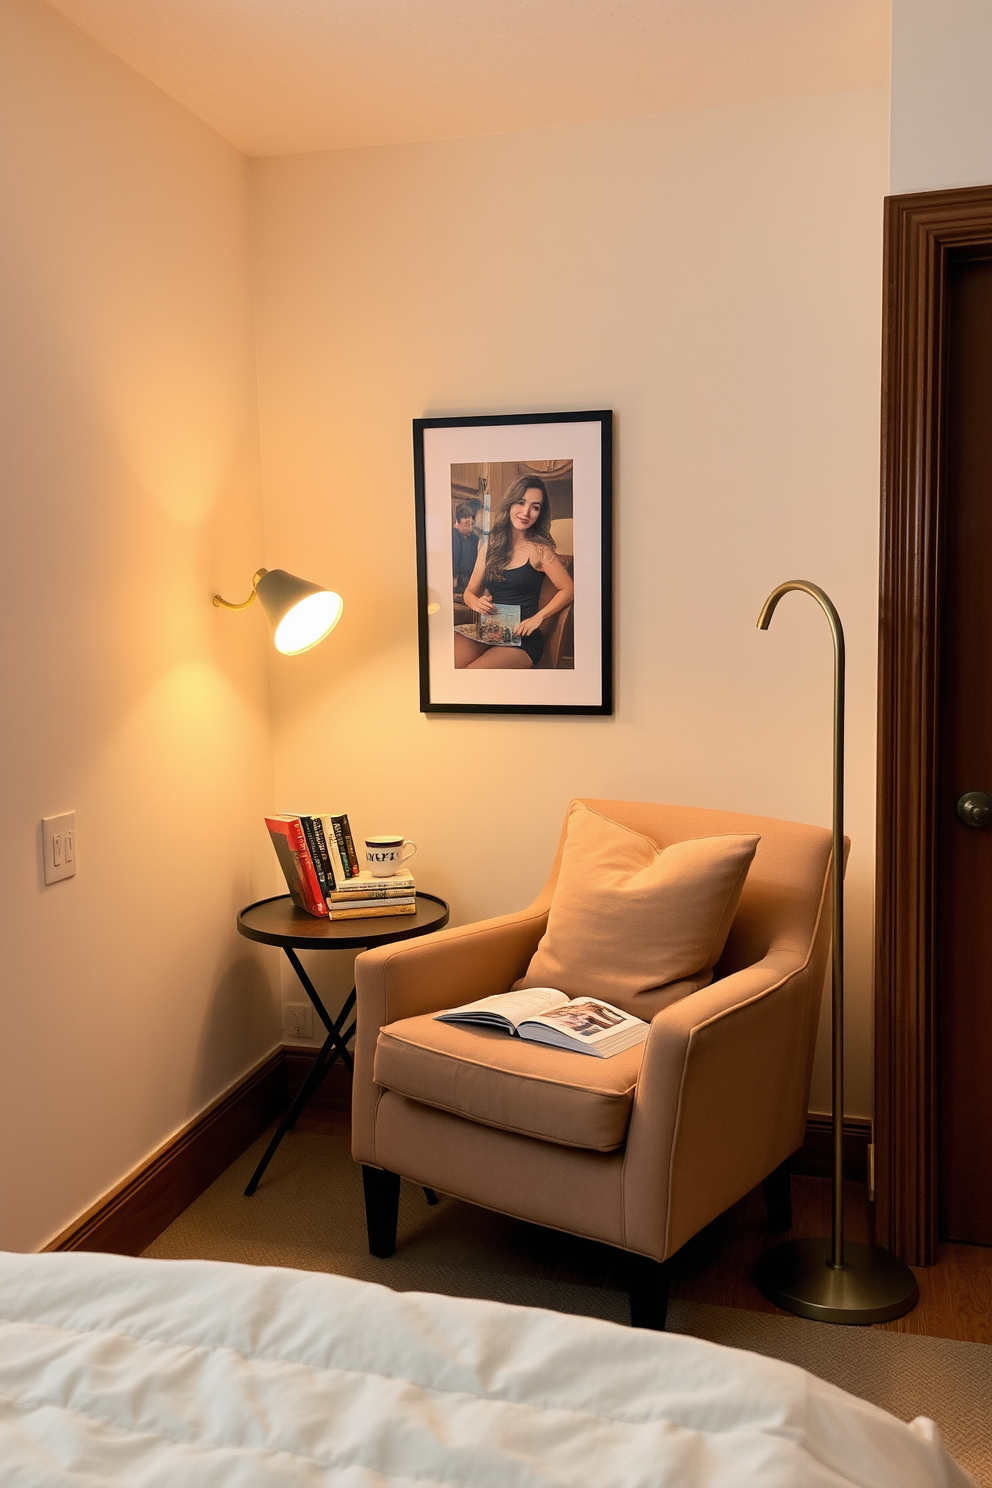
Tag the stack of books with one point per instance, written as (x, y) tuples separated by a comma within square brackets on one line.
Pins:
[(366, 896), (317, 855)]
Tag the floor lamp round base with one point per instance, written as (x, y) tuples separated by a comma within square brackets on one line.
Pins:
[(872, 1287)]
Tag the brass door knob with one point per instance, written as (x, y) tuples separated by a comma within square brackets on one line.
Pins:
[(975, 809)]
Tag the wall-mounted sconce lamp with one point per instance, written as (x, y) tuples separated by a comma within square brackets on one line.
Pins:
[(300, 613)]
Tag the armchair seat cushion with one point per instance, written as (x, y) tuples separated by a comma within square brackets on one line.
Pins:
[(484, 1075)]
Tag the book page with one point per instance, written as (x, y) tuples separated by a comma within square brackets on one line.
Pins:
[(513, 1006), (586, 1019)]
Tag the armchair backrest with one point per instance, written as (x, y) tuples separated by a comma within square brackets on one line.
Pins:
[(784, 888)]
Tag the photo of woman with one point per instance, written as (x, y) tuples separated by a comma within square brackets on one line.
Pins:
[(517, 568), (514, 562)]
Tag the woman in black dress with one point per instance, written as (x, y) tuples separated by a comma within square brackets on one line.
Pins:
[(511, 571)]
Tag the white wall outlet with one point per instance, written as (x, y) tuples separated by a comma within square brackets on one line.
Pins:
[(299, 1020), (58, 836)]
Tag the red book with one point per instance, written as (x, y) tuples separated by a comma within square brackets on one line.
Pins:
[(294, 857)]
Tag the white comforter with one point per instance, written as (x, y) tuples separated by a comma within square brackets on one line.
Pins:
[(204, 1375)]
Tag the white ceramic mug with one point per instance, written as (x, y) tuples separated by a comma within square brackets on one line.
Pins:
[(385, 854)]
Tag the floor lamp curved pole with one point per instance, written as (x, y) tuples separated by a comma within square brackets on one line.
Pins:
[(828, 1279)]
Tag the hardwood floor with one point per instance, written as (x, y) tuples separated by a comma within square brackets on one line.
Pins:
[(716, 1266)]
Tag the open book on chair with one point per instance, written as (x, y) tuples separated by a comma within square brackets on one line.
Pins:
[(585, 1025)]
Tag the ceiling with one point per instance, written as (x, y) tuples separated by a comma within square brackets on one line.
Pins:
[(286, 76)]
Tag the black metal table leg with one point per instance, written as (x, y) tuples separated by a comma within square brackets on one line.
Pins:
[(321, 1065), (335, 1046), (333, 1027), (313, 1079)]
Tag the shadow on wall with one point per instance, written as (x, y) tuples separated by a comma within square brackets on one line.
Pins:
[(242, 1023)]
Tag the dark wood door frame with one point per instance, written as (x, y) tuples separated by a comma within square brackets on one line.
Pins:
[(922, 233)]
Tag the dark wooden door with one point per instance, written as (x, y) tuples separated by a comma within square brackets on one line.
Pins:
[(964, 854)]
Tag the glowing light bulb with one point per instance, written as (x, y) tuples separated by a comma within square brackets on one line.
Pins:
[(308, 622)]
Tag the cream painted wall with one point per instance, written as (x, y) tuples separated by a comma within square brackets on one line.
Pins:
[(941, 94), (714, 277), (129, 489)]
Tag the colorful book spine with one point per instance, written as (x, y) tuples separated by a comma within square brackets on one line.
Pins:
[(379, 911), (316, 856), (342, 896), (330, 837), (356, 866), (309, 871), (364, 902), (291, 849), (402, 878), (338, 824), (318, 827)]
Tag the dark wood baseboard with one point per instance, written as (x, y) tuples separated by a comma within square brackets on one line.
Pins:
[(334, 1091), (139, 1208), (130, 1216), (815, 1158)]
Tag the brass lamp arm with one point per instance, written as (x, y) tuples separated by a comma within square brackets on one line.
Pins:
[(837, 886), (229, 605), (820, 1278)]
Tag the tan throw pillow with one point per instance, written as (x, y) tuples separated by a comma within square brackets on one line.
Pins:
[(635, 924)]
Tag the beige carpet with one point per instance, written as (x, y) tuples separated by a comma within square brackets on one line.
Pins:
[(308, 1213)]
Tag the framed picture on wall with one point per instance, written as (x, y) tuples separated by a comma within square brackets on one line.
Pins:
[(514, 563)]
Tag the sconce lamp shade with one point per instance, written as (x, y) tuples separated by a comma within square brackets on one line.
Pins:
[(300, 613)]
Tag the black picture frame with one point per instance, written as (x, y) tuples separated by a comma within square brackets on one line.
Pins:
[(580, 470)]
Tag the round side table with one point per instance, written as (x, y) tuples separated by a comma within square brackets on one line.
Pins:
[(278, 922)]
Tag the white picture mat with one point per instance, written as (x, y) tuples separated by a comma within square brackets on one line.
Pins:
[(580, 442)]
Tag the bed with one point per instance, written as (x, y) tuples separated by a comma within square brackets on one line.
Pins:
[(202, 1374)]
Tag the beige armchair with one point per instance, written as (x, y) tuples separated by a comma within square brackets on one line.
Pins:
[(641, 1150)]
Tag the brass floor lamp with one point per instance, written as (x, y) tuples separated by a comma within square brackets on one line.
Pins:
[(826, 1278)]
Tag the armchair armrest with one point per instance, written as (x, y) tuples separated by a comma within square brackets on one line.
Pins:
[(721, 1098), (425, 975), (437, 971)]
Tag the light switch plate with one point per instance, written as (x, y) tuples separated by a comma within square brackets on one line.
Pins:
[(58, 836)]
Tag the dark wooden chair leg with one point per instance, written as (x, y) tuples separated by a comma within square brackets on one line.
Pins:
[(382, 1207), (777, 1189), (649, 1284)]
